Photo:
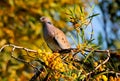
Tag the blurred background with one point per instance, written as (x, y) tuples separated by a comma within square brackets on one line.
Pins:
[(20, 25)]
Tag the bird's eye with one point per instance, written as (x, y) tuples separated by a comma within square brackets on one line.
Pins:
[(43, 18)]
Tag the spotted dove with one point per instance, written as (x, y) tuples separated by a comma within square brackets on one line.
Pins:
[(54, 37)]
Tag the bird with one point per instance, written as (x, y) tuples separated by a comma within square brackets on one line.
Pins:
[(53, 36)]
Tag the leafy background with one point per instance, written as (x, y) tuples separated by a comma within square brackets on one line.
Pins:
[(19, 25)]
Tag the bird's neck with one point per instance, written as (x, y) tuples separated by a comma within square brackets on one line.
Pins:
[(47, 25)]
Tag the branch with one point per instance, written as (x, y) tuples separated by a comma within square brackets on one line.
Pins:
[(117, 74), (75, 50), (38, 72), (19, 47), (108, 56)]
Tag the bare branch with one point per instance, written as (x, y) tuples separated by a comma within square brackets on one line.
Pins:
[(19, 47), (117, 74), (108, 56), (75, 50), (38, 72), (4, 47)]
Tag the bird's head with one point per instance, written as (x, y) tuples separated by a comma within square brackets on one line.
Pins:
[(45, 20)]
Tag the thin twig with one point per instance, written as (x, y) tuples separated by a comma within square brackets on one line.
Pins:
[(66, 50), (108, 56), (21, 60), (117, 74), (4, 47), (38, 72), (19, 47)]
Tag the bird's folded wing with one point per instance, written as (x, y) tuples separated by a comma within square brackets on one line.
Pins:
[(60, 38)]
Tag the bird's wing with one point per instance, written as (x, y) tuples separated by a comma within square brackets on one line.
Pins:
[(61, 39), (57, 42)]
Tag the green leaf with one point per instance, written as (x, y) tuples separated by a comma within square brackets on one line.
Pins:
[(94, 15)]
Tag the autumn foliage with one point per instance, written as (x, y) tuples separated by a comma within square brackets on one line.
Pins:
[(21, 29)]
